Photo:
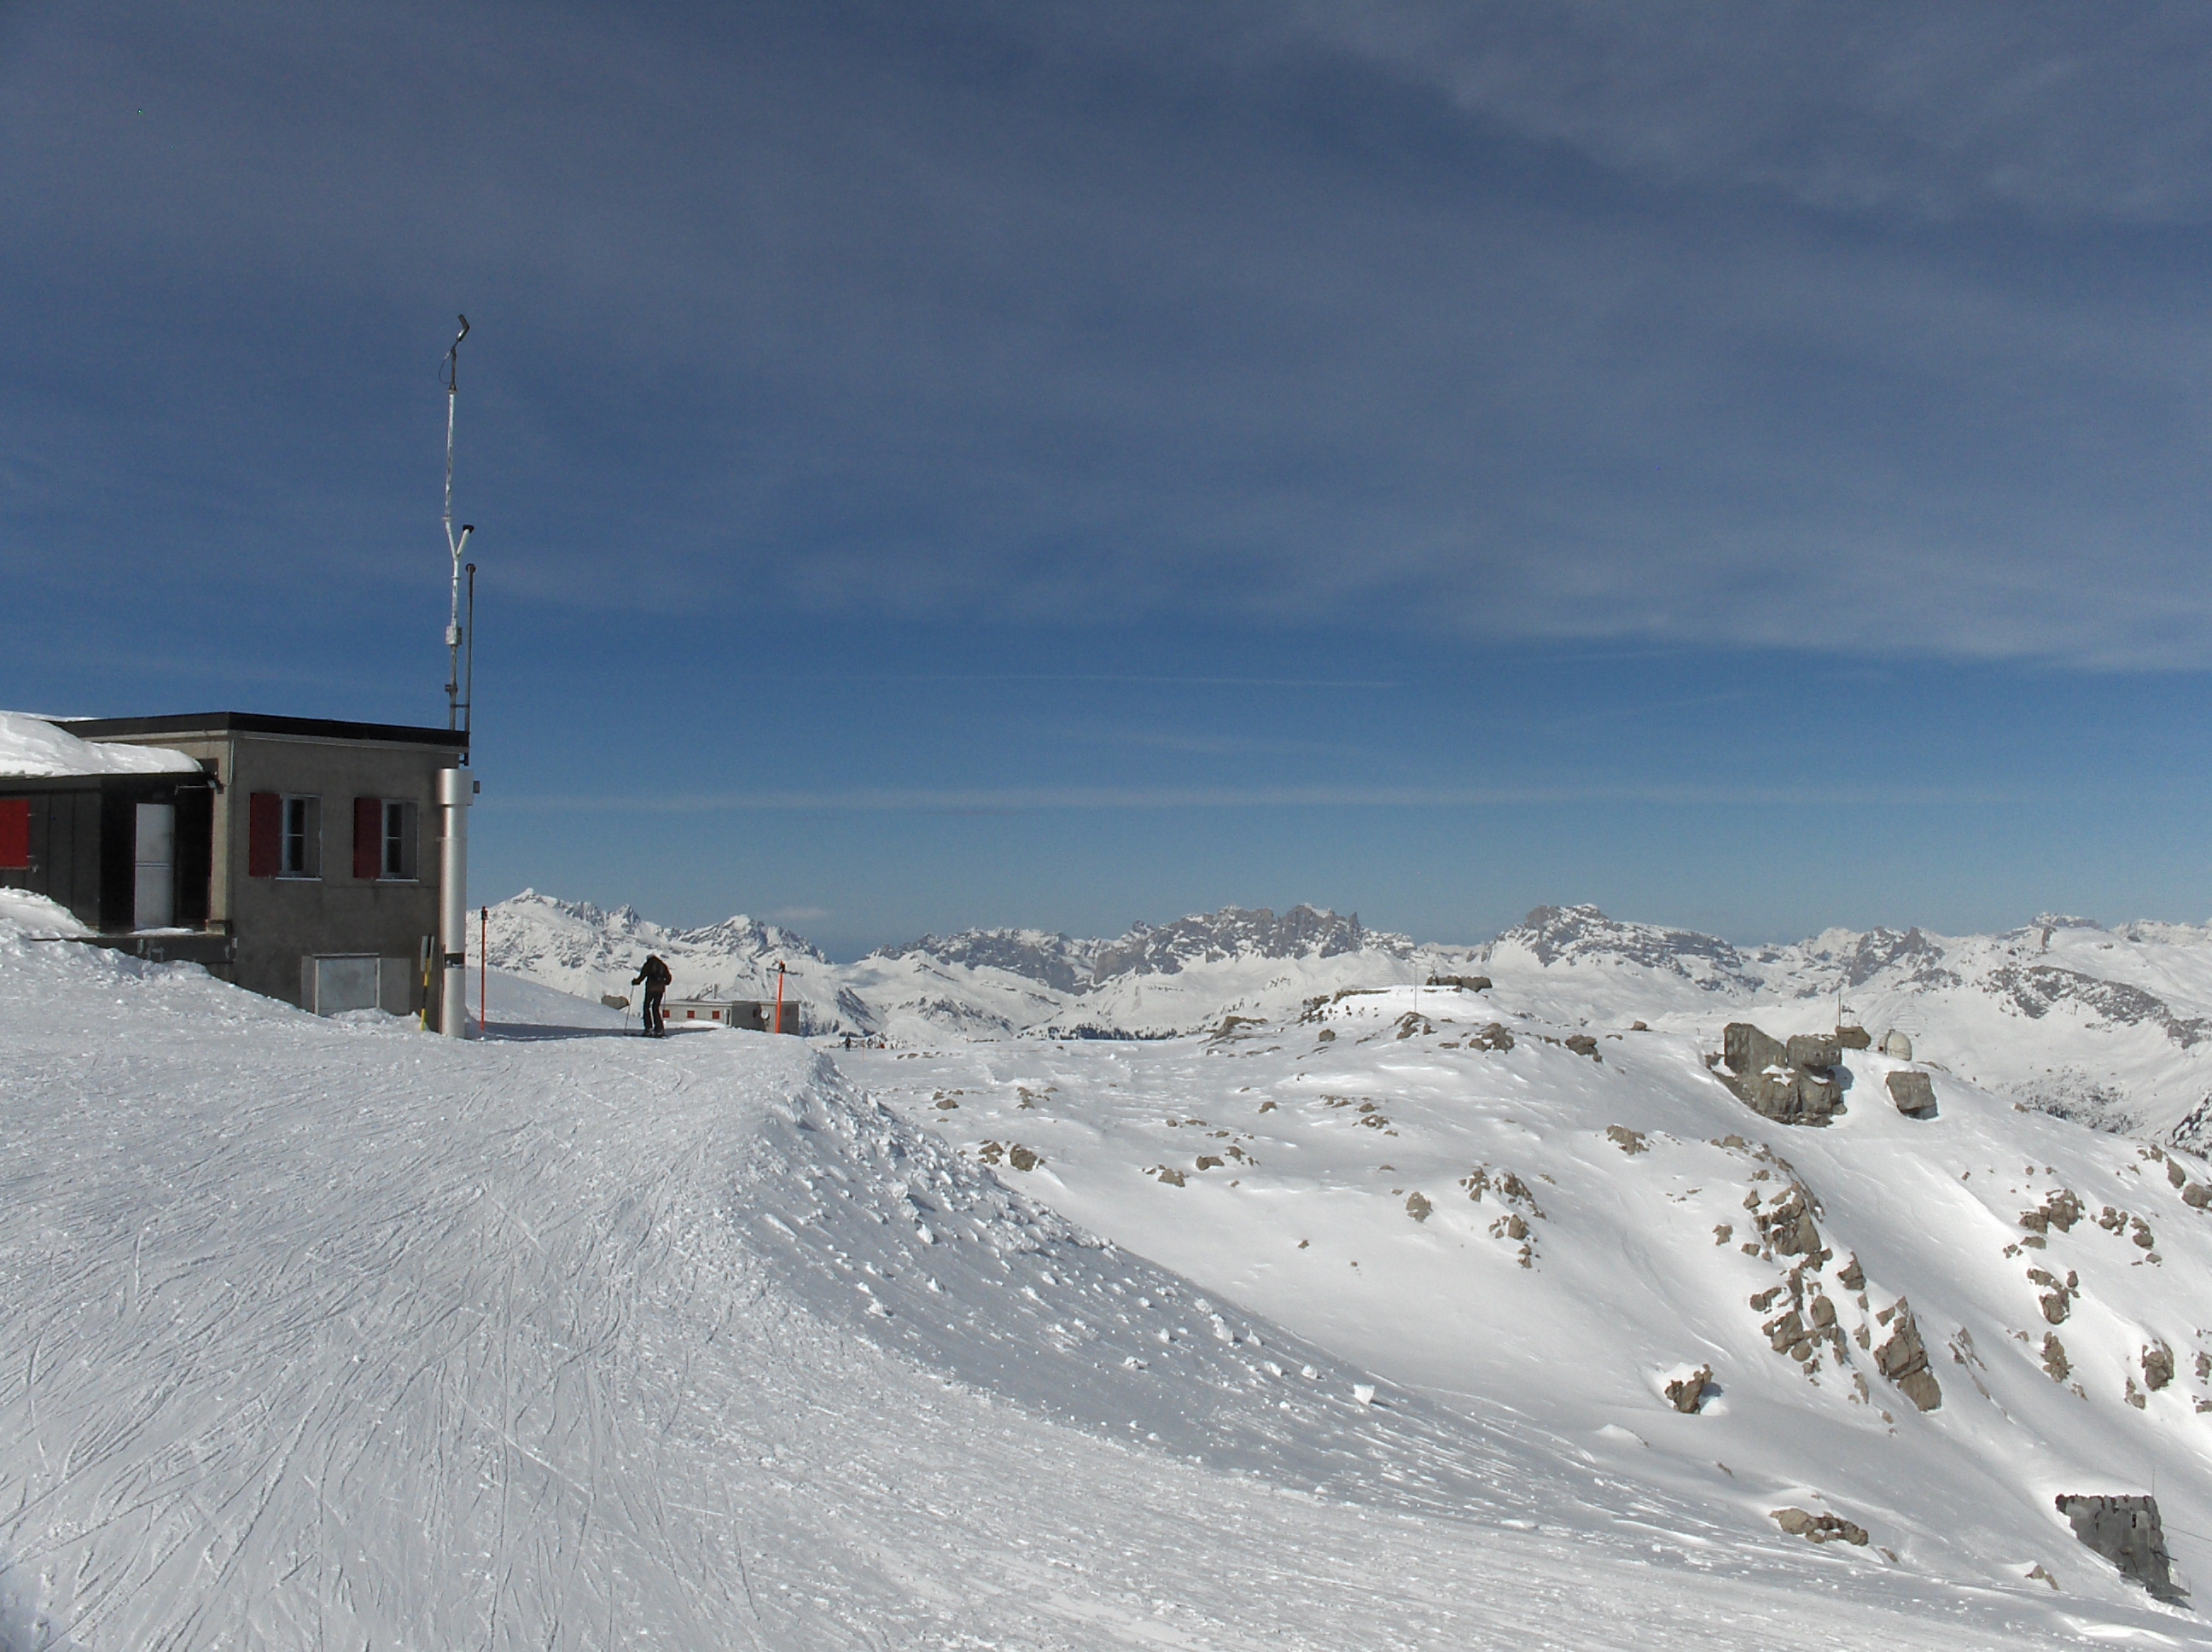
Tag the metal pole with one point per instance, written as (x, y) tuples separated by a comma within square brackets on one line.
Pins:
[(456, 791), (779, 996), (483, 965), (469, 686), (451, 373)]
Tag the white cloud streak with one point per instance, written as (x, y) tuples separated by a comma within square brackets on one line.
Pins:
[(1023, 799)]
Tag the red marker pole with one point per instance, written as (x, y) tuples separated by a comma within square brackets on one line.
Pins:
[(779, 997), (484, 962)]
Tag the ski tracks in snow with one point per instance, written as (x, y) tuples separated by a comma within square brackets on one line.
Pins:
[(330, 1335)]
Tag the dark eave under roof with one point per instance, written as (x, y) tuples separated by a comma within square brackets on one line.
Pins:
[(254, 722)]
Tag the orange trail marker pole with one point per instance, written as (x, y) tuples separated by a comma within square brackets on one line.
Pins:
[(779, 997)]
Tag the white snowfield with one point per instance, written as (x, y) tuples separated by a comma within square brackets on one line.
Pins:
[(32, 748), (1545, 1237), (330, 1333)]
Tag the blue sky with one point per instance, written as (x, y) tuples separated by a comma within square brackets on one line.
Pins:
[(1058, 464)]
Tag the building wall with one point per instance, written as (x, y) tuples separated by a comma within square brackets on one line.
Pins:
[(66, 830), (83, 834), (279, 920)]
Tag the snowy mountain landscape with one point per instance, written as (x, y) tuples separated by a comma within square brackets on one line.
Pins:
[(2109, 1026), (1356, 1311)]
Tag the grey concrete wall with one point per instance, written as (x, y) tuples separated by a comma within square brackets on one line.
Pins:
[(280, 921)]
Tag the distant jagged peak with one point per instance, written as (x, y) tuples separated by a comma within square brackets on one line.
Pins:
[(623, 919), (2061, 920), (1912, 954), (740, 936), (1077, 966), (1056, 960), (1583, 934), (1303, 932)]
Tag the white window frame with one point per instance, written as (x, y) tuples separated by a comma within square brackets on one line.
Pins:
[(404, 867), (308, 864)]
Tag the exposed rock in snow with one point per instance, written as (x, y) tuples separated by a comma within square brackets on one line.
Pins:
[(1914, 1093), (1820, 1528), (2127, 1532), (1687, 1394), (1903, 1358)]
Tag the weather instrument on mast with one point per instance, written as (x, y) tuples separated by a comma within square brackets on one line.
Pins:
[(449, 375)]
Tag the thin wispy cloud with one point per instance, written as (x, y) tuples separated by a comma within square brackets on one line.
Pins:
[(1021, 799), (1666, 325), (1941, 110)]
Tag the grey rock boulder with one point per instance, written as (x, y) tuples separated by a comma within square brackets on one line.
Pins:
[(2126, 1531), (1812, 1050), (1913, 1093), (1748, 1051)]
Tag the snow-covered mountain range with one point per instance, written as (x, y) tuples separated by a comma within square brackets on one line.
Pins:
[(2111, 1026), (1414, 1315), (2107, 1025), (1153, 981)]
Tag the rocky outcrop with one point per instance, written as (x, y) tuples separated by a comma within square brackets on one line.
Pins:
[(1787, 1225), (1514, 1225), (2058, 1300), (995, 1153), (1818, 1528), (2060, 1210), (2055, 1365), (1746, 1049), (1792, 1083), (2126, 1531), (1465, 983), (1687, 1394), (1819, 1050), (1904, 1358), (1914, 1094)]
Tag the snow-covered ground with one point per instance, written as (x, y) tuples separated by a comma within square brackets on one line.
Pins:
[(329, 1332), (1539, 1237)]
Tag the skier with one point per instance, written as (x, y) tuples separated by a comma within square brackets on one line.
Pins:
[(654, 973)]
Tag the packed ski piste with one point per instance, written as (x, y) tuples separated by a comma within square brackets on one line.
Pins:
[(1244, 1281)]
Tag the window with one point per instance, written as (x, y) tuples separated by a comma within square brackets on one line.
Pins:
[(299, 848), (400, 836), (384, 834)]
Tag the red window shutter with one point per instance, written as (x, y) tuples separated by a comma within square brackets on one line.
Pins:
[(14, 834), (368, 837), (265, 834)]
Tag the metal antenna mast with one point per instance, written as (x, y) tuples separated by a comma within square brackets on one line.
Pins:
[(449, 375)]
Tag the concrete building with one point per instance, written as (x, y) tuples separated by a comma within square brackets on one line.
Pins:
[(752, 1015), (301, 859)]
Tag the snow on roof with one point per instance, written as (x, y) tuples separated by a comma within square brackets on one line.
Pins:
[(32, 748)]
